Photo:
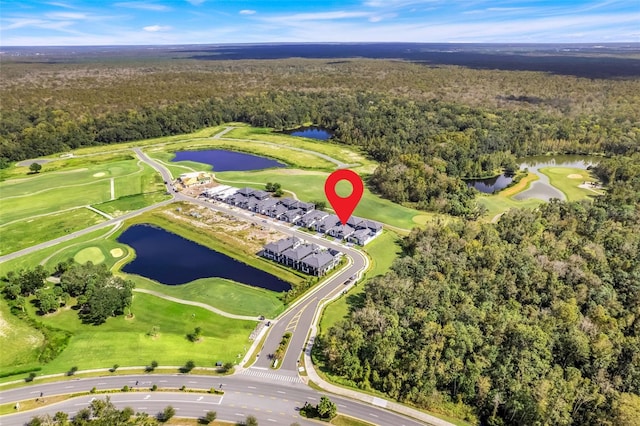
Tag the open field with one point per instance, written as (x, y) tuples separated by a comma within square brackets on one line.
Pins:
[(31, 231), (382, 251), (497, 204), (130, 203), (37, 195), (19, 341), (309, 186), (567, 180), (126, 341), (229, 296)]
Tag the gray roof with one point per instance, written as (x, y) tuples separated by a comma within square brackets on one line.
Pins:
[(259, 194), (342, 229), (245, 191), (306, 206), (318, 260), (330, 221), (278, 209), (283, 244), (300, 252), (289, 202), (361, 233), (265, 204)]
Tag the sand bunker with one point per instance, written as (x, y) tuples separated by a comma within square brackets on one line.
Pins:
[(99, 174), (574, 176), (116, 252)]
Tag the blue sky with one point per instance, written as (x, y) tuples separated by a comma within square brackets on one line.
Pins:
[(74, 22)]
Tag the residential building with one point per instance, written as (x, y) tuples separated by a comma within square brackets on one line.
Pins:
[(340, 231)]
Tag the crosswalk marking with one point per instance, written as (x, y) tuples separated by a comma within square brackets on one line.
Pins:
[(271, 376)]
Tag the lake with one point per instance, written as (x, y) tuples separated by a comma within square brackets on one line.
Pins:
[(171, 259), (313, 132), (228, 161)]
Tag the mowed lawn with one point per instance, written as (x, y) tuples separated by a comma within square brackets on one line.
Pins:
[(226, 295), (567, 179), (309, 186), (18, 340), (129, 341), (23, 198), (31, 231)]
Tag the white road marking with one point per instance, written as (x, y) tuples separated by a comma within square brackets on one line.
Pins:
[(113, 191), (238, 414), (251, 387), (191, 381), (103, 383), (341, 405), (271, 420), (259, 368), (69, 387), (282, 392), (147, 397), (162, 381), (372, 415), (200, 398), (35, 392), (311, 398)]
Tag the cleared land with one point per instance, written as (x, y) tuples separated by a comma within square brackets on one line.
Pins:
[(229, 296), (568, 180), (130, 203), (128, 341)]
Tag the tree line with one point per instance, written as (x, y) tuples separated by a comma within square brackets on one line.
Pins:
[(425, 148), (532, 320)]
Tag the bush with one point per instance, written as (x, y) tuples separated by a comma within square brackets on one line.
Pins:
[(166, 414), (93, 390), (183, 388), (72, 371), (209, 417), (114, 368), (125, 388), (188, 366), (30, 378), (154, 387)]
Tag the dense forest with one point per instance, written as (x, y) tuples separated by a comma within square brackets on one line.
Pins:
[(428, 129), (532, 320)]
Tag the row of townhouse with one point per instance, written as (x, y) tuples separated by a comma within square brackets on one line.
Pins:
[(357, 230), (309, 258)]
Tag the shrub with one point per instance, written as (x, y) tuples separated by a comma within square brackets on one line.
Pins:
[(125, 388), (154, 387), (30, 378), (72, 371), (93, 390)]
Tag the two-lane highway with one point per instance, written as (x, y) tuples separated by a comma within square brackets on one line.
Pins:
[(275, 400)]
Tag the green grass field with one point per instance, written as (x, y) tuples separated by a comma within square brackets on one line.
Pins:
[(28, 232), (130, 203), (382, 252), (19, 341), (50, 256), (229, 296), (567, 180), (37, 195), (126, 341), (309, 186)]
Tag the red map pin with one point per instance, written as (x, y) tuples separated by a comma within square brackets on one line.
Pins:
[(344, 206)]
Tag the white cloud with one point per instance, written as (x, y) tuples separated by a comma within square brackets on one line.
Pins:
[(140, 5), (247, 12), (156, 28), (67, 15), (295, 18), (59, 4)]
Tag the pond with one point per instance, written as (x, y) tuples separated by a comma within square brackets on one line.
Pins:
[(313, 132), (171, 259), (227, 161), (490, 185)]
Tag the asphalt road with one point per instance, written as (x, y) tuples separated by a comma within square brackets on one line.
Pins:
[(299, 318), (272, 401)]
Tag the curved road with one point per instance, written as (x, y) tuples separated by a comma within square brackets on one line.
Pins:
[(275, 401)]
